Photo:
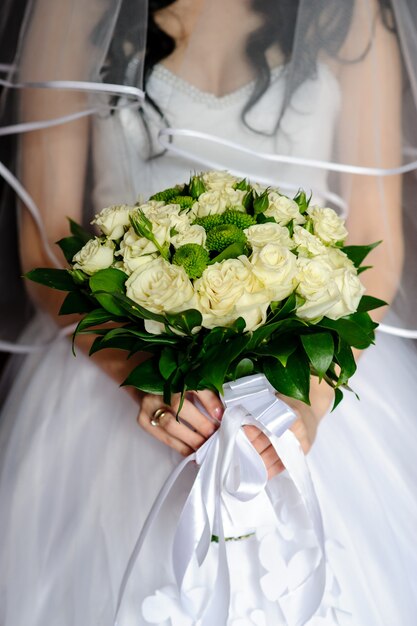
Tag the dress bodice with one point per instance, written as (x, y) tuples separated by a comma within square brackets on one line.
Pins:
[(123, 144)]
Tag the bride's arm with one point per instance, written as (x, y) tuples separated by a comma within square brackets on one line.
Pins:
[(370, 135), (371, 100), (53, 162)]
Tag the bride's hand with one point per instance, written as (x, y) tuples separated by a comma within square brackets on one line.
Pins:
[(186, 437), (304, 428), (189, 436)]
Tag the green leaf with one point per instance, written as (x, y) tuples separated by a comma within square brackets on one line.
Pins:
[(196, 187), (284, 308), (130, 307), (218, 360), (290, 227), (144, 336), (185, 320), (70, 246), (76, 302), (217, 336), (357, 254), (302, 200), (117, 343), (292, 380), (338, 397), (261, 202), (365, 321), (168, 362), (248, 201), (242, 185), (231, 252), (349, 331), (369, 303), (104, 284), (78, 276), (79, 232), (54, 278), (261, 336), (319, 348), (110, 280), (281, 348), (245, 367), (94, 318), (344, 357), (261, 218), (146, 377), (239, 325)]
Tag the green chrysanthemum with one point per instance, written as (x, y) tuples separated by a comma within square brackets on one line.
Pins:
[(185, 202), (239, 219), (167, 194), (222, 236), (209, 221), (193, 258)]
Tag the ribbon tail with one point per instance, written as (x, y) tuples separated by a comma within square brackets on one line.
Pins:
[(156, 507)]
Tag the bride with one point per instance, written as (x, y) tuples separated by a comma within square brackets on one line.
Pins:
[(290, 94)]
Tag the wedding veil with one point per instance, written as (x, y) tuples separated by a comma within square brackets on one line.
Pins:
[(105, 50)]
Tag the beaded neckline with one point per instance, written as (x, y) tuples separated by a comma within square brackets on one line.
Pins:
[(162, 73)]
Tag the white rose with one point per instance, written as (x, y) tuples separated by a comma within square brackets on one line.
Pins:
[(351, 291), (218, 180), (192, 234), (327, 224), (229, 290), (306, 243), (317, 285), (161, 214), (217, 201), (283, 209), (161, 287), (261, 234), (94, 256), (150, 205), (276, 268), (338, 259), (113, 220), (137, 251)]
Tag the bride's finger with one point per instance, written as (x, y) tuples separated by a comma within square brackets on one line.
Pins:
[(269, 456), (192, 416), (144, 420), (156, 427), (211, 402), (257, 438), (276, 468), (180, 431)]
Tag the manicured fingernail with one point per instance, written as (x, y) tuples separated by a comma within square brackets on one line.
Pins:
[(218, 412)]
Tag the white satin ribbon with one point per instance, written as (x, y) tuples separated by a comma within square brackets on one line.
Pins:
[(250, 400), (78, 85), (166, 134)]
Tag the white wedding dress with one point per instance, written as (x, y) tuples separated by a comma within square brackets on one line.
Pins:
[(78, 477)]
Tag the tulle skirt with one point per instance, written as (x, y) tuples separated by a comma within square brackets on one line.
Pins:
[(78, 478)]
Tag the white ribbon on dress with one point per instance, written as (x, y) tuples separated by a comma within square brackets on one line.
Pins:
[(249, 400)]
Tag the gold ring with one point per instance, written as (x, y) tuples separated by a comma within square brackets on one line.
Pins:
[(157, 415)]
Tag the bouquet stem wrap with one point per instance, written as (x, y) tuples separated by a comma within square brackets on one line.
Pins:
[(249, 400)]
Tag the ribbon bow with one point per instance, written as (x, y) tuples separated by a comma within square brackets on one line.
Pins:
[(229, 464)]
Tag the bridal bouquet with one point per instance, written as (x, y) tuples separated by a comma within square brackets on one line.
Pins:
[(246, 292), (217, 279)]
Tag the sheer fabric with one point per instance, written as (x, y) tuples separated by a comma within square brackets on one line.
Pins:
[(337, 117), (368, 46)]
